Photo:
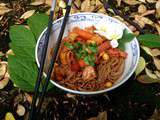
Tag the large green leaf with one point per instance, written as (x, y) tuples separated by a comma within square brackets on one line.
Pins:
[(37, 23), (22, 42), (127, 37), (23, 72), (149, 40)]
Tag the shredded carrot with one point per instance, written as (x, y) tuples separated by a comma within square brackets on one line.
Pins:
[(83, 33), (82, 63)]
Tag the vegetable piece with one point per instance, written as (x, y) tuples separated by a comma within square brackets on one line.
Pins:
[(82, 33), (89, 73), (113, 52), (74, 63), (105, 56), (82, 63), (108, 84), (104, 46), (123, 54), (68, 45), (97, 39), (72, 36)]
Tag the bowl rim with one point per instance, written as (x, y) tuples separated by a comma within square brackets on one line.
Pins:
[(88, 92)]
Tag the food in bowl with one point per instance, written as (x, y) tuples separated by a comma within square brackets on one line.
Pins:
[(88, 60)]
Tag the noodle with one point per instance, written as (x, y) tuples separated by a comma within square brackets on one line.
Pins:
[(73, 73)]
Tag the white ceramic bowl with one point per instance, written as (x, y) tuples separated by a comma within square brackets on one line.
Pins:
[(83, 20)]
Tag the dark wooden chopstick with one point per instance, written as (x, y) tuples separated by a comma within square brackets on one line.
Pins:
[(54, 55), (43, 57)]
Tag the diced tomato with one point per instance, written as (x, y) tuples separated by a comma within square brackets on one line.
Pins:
[(123, 54), (75, 67), (74, 64), (82, 63), (114, 52), (104, 46), (79, 38)]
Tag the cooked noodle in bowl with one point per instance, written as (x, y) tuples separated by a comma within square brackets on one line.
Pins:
[(90, 59)]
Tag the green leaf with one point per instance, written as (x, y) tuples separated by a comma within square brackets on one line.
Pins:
[(23, 72), (69, 45), (22, 42), (141, 66), (93, 48), (121, 46), (127, 37), (149, 40), (37, 23)]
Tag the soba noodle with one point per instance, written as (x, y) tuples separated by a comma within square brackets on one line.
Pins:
[(94, 79)]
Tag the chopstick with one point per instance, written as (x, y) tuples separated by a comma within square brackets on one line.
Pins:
[(54, 55), (43, 57)]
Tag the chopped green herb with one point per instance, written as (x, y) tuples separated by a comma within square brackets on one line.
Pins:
[(69, 45)]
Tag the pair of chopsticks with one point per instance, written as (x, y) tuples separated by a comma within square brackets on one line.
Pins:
[(35, 111)]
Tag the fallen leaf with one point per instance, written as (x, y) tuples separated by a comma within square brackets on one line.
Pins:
[(77, 3), (141, 66), (156, 115), (86, 6), (101, 116), (150, 74), (158, 74), (158, 8), (119, 2), (131, 2), (9, 116), (62, 4), (1, 18), (157, 27), (142, 1), (36, 3), (27, 14), (156, 62), (148, 12), (151, 1), (147, 50), (146, 79), (142, 9), (155, 52), (4, 9)]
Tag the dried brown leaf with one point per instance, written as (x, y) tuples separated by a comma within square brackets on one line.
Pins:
[(157, 27), (151, 1), (36, 3), (148, 12), (78, 3), (119, 2), (146, 79), (158, 8), (158, 74), (143, 20), (131, 2), (156, 62), (4, 9), (101, 116), (86, 6), (156, 115), (150, 74), (155, 52), (142, 9), (27, 14), (147, 50)]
